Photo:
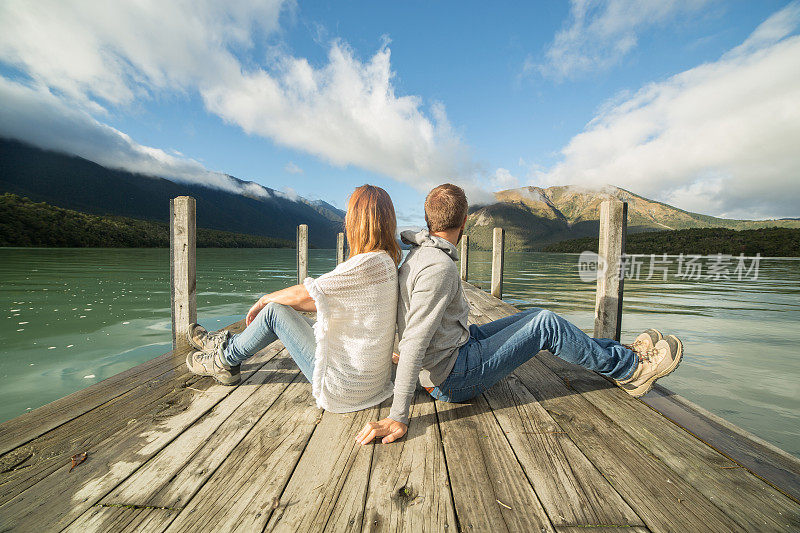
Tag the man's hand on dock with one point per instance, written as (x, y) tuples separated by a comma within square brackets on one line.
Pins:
[(389, 429)]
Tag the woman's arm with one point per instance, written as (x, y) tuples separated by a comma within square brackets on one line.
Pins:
[(296, 297)]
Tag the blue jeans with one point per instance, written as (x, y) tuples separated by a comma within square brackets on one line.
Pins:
[(275, 322), (495, 349)]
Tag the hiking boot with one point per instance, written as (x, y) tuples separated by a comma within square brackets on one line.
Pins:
[(660, 360), (645, 342), (204, 341), (207, 363)]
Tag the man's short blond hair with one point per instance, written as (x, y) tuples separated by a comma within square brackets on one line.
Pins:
[(445, 207)]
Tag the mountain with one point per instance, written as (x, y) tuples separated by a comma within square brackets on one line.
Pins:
[(534, 217), (71, 182)]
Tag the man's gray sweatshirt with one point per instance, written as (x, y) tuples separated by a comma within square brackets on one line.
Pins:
[(432, 317)]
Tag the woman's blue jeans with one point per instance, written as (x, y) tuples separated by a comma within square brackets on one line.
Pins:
[(495, 349), (275, 322)]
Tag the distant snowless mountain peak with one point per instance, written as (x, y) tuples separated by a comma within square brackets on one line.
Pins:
[(535, 216)]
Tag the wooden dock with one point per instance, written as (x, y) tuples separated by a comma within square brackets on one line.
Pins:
[(553, 447)]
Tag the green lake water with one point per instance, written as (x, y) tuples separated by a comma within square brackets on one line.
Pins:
[(72, 317)]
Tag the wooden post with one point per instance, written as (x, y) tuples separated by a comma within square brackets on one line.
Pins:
[(183, 273), (302, 252), (340, 248), (464, 257), (498, 244), (611, 247)]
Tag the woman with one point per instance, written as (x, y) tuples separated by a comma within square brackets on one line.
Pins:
[(347, 354)]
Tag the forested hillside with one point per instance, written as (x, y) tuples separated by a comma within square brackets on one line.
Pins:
[(26, 223), (769, 242)]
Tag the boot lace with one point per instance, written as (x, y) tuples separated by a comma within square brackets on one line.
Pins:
[(640, 348), (215, 340)]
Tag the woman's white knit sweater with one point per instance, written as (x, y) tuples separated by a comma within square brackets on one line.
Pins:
[(356, 314)]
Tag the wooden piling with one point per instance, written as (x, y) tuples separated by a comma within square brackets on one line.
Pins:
[(611, 247), (464, 257), (498, 245), (302, 252), (340, 248), (183, 265)]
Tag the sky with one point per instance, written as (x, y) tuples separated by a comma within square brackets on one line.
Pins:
[(691, 102)]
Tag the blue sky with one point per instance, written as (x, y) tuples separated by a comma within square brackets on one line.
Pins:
[(667, 99)]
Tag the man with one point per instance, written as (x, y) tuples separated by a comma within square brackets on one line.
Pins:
[(456, 362)]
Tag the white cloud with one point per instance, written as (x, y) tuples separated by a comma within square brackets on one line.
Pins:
[(720, 138), (291, 168), (37, 116), (600, 33), (98, 52), (105, 57), (345, 112), (503, 179)]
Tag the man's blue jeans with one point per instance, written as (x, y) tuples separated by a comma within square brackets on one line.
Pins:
[(495, 349), (275, 322)]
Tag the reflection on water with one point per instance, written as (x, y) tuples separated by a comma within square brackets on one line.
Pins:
[(75, 316)]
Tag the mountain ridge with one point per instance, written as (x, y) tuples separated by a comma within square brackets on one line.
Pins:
[(534, 217), (78, 184)]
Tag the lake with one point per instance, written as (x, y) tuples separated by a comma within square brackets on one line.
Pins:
[(73, 317)]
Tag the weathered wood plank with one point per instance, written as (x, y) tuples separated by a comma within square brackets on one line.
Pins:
[(664, 500), (611, 247), (464, 257), (243, 492), (177, 472), (125, 518), (48, 453), (408, 487), (302, 252), (157, 397), (498, 260), (183, 268), (490, 490), (713, 474), (570, 488), (110, 461), (600, 529), (761, 458), (309, 499)]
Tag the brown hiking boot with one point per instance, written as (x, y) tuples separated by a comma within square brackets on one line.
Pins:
[(657, 362), (645, 342), (211, 364), (204, 341)]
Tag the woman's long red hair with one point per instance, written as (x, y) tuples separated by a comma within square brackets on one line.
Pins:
[(370, 223)]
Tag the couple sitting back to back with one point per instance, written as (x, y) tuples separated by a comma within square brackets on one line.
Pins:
[(347, 353)]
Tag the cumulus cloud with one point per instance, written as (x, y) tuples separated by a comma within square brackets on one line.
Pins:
[(599, 33), (98, 53), (103, 57), (503, 179), (720, 138), (345, 112)]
